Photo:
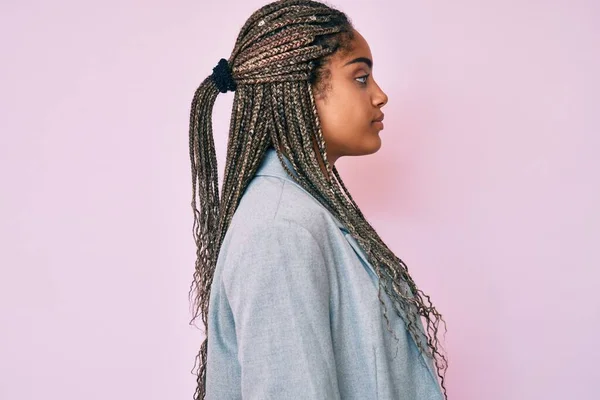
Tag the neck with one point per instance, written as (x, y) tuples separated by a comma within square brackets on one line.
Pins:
[(319, 159)]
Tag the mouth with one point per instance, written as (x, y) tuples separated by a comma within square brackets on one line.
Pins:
[(378, 122)]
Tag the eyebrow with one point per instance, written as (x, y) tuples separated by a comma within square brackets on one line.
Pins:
[(361, 59)]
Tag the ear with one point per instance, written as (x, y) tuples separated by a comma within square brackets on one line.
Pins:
[(318, 94)]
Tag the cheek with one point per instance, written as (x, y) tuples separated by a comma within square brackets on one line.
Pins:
[(345, 120), (342, 113), (334, 123)]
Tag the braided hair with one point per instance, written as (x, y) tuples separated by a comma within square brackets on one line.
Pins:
[(278, 65)]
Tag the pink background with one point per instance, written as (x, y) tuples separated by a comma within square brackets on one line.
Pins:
[(487, 185)]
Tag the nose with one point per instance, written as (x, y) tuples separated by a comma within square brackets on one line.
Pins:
[(380, 99), (384, 99)]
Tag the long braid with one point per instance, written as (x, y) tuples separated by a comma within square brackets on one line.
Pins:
[(278, 60)]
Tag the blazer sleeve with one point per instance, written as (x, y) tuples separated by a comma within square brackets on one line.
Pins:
[(278, 290)]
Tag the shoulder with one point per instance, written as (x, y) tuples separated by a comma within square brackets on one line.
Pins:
[(274, 257), (277, 222), (272, 203)]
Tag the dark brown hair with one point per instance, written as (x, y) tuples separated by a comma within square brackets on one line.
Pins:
[(279, 63)]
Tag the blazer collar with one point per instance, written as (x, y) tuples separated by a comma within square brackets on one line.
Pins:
[(271, 166)]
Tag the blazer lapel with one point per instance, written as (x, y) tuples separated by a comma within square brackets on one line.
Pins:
[(358, 250)]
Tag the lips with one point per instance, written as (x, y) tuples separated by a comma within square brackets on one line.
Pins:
[(379, 118)]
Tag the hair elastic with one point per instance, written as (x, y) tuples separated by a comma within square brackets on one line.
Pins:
[(222, 77)]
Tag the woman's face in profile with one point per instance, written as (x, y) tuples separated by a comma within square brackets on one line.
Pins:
[(351, 103)]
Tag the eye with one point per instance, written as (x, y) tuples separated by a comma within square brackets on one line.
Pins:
[(365, 77)]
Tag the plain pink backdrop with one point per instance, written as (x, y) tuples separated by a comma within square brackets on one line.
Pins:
[(487, 185)]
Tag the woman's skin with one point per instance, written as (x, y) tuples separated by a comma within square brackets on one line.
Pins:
[(351, 103)]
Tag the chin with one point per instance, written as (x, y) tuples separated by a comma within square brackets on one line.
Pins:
[(375, 145)]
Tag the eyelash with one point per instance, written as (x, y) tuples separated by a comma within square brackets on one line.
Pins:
[(361, 77)]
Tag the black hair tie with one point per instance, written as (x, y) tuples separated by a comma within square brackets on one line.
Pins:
[(222, 76)]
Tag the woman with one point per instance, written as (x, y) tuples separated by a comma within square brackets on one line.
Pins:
[(299, 296)]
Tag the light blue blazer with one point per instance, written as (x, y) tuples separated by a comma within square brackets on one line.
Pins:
[(294, 310)]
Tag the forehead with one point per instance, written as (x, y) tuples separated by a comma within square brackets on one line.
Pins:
[(359, 48), (360, 43)]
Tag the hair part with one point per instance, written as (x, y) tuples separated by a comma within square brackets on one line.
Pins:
[(279, 62)]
